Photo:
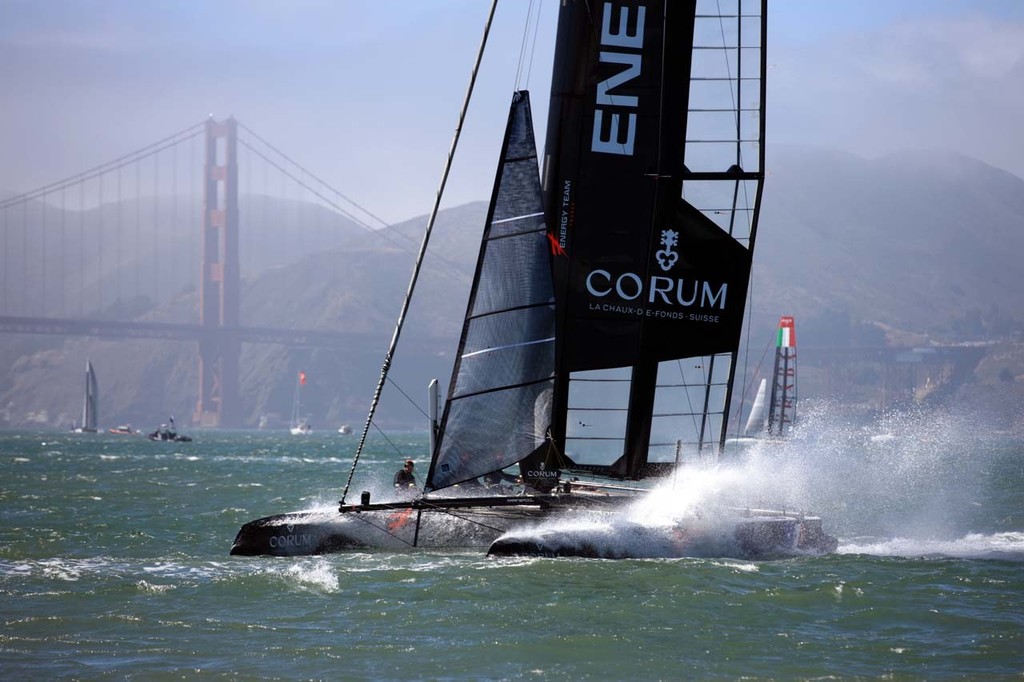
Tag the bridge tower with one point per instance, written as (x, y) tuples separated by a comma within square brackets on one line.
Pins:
[(219, 281)]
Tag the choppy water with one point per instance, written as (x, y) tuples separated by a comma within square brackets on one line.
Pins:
[(113, 563)]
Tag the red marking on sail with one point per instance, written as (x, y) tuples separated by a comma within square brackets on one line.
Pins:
[(556, 248), (302, 378)]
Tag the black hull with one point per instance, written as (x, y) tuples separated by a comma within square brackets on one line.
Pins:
[(508, 526), (169, 439), (449, 523), (765, 535)]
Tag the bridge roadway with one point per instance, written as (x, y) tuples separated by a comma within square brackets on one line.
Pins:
[(966, 355), (114, 329)]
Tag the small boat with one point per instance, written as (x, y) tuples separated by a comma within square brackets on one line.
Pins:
[(166, 433), (122, 430), (300, 425), (601, 337), (89, 402), (344, 429)]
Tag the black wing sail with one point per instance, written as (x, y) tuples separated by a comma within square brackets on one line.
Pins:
[(653, 207), (89, 414), (498, 406)]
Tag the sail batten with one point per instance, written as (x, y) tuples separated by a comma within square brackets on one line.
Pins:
[(509, 346), (518, 217)]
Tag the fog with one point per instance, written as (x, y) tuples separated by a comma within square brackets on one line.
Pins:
[(365, 93)]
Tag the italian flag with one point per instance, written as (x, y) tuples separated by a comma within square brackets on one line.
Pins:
[(787, 332)]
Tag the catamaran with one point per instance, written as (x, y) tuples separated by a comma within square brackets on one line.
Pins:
[(300, 426), (599, 345), (89, 402), (773, 413)]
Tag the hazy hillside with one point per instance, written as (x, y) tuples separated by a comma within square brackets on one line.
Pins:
[(925, 243), (916, 247), (356, 288)]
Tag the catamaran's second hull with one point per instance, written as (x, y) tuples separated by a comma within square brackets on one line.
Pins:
[(760, 535)]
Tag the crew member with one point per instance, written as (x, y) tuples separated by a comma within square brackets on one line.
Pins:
[(404, 478)]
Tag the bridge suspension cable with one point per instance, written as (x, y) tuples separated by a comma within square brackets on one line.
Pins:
[(320, 181), (102, 169), (396, 239)]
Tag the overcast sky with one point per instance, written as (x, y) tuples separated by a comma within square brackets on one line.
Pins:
[(365, 93)]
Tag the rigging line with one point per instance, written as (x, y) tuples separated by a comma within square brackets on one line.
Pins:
[(408, 397), (384, 529), (746, 355), (725, 55), (762, 59), (533, 46), (686, 392), (303, 185), (310, 174), (735, 96), (427, 503), (747, 389), (386, 235), (750, 215), (124, 160), (389, 441), (423, 247), (522, 44)]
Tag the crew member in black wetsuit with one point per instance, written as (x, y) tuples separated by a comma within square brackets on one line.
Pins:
[(404, 477)]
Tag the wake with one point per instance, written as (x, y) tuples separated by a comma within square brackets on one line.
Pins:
[(999, 546), (929, 479)]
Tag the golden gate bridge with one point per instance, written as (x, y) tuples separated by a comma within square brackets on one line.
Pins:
[(90, 254)]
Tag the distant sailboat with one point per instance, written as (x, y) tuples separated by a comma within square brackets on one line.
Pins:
[(89, 402), (300, 425), (773, 413), (782, 408)]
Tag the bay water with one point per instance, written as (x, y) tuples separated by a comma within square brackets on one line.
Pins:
[(114, 564)]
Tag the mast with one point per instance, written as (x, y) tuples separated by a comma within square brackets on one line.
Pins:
[(300, 379)]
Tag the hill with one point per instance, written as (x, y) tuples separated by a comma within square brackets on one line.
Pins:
[(907, 249), (924, 245)]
